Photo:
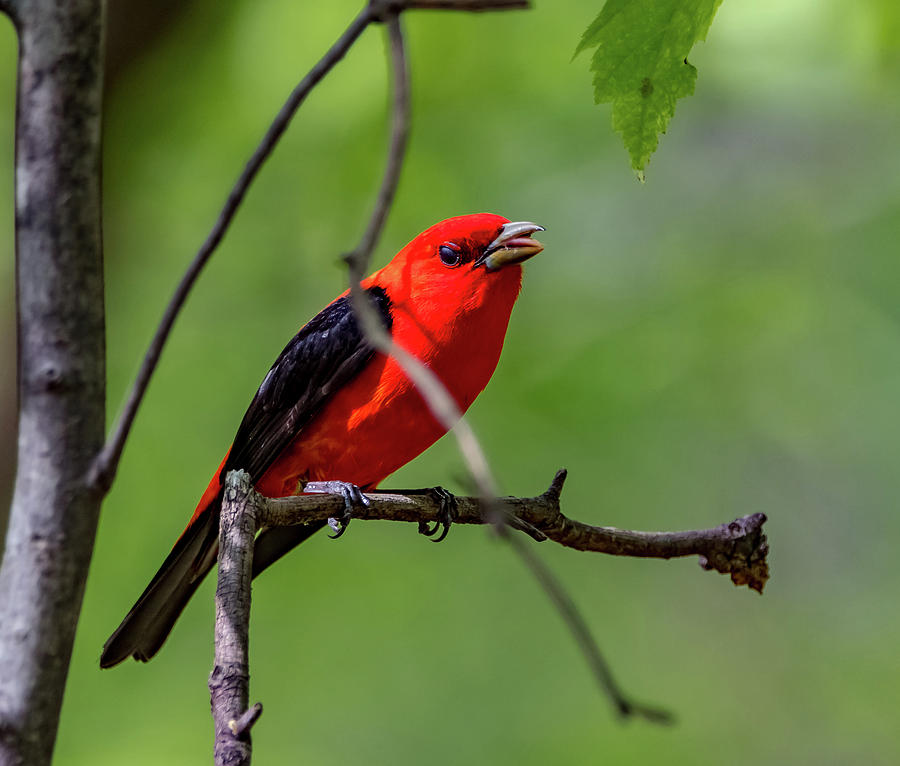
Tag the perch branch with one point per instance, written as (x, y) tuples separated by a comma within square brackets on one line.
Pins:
[(738, 548)]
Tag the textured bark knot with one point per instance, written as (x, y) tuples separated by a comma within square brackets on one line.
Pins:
[(51, 377), (743, 553), (228, 676)]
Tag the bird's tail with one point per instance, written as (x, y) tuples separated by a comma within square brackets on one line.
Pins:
[(150, 620)]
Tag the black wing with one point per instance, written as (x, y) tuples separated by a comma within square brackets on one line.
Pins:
[(328, 351), (321, 358)]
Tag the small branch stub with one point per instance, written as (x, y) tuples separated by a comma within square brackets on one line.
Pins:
[(242, 725)]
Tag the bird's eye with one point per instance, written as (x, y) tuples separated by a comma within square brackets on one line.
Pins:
[(450, 255)]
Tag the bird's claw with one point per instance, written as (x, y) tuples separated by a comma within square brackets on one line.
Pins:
[(353, 498), (447, 514), (339, 524)]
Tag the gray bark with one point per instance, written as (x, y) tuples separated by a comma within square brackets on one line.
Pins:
[(61, 373), (229, 682)]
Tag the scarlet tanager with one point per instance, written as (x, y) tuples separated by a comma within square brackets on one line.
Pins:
[(331, 409)]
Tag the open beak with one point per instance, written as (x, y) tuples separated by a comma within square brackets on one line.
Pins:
[(512, 245)]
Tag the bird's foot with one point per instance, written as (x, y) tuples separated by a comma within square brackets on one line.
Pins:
[(447, 514), (353, 498)]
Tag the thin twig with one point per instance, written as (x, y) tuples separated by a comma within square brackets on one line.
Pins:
[(438, 399), (108, 460), (586, 642), (358, 260), (104, 470), (229, 681), (461, 5)]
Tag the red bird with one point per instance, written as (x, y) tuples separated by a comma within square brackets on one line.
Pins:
[(331, 409)]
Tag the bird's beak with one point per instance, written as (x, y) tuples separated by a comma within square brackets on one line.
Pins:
[(512, 245)]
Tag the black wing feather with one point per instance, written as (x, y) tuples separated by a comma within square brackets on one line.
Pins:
[(323, 356)]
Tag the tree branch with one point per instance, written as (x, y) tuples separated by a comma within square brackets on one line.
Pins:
[(61, 374), (229, 682), (738, 548)]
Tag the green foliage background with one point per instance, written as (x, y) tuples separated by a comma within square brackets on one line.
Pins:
[(722, 340)]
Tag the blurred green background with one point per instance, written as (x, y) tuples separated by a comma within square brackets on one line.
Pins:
[(722, 340)]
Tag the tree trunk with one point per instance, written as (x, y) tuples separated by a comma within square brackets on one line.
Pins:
[(61, 373)]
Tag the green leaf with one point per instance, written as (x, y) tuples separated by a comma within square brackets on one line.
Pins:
[(641, 66)]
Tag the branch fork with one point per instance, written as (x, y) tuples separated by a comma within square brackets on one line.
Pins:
[(738, 548)]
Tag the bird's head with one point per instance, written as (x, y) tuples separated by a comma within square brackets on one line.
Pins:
[(471, 257)]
